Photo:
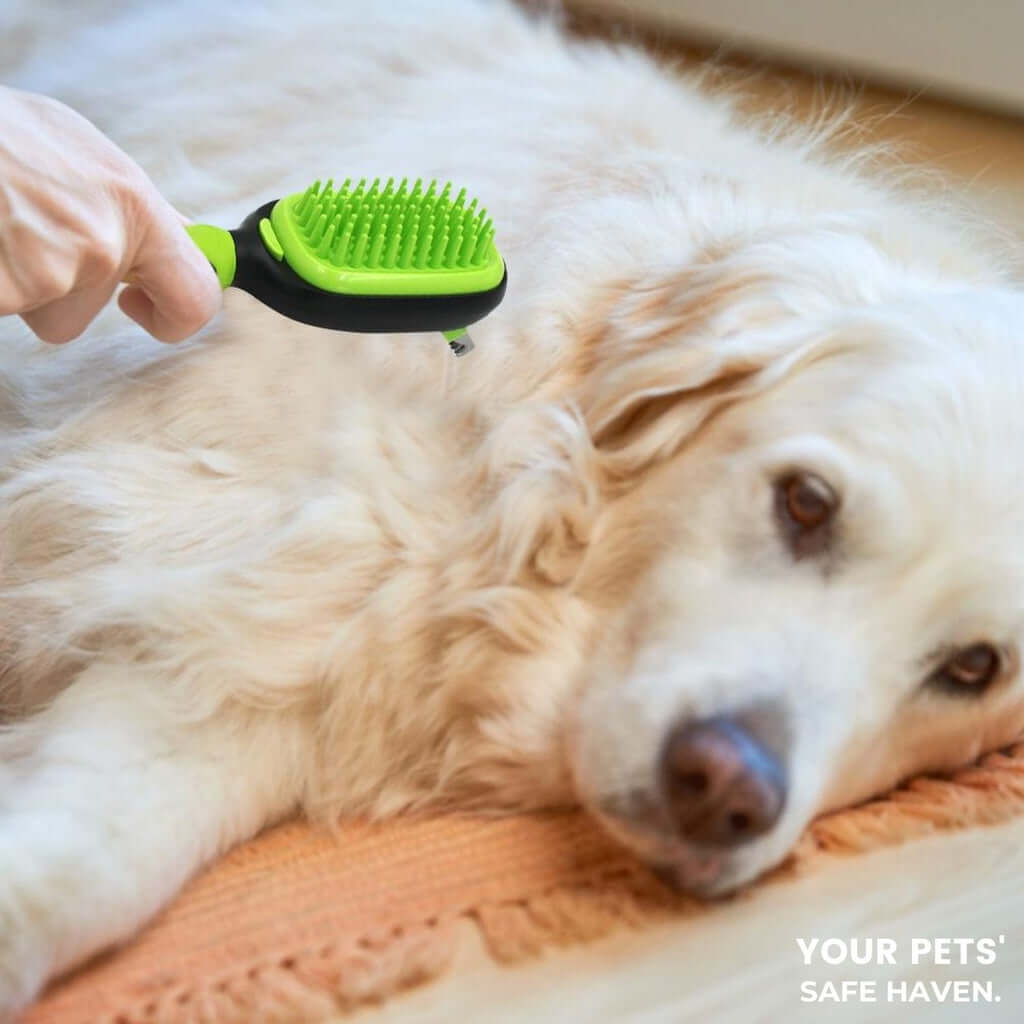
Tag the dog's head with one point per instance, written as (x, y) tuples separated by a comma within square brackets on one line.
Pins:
[(808, 567)]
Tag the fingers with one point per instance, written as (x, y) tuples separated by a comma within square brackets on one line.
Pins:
[(174, 291), (135, 303), (65, 319), (173, 295), (78, 216)]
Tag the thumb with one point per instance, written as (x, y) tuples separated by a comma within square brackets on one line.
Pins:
[(173, 291)]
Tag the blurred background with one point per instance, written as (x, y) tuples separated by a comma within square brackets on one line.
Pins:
[(943, 80), (966, 50)]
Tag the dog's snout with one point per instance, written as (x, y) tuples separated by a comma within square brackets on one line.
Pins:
[(723, 786)]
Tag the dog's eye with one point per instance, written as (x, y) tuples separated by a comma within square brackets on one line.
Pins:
[(970, 670), (805, 505)]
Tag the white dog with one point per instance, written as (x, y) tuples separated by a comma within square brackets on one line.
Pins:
[(718, 527)]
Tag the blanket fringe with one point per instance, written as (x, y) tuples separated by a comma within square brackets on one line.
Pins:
[(308, 986), (312, 985), (987, 793), (569, 915)]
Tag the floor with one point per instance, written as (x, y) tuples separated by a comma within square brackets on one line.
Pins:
[(743, 964)]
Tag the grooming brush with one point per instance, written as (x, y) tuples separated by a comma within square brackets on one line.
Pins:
[(366, 258)]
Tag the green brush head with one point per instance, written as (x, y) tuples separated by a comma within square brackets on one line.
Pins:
[(385, 240), (377, 259)]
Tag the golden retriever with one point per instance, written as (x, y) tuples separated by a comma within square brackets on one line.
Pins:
[(718, 527)]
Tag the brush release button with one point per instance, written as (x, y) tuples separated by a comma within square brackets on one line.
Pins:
[(270, 239)]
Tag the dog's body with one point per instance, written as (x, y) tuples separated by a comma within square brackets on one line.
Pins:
[(277, 568)]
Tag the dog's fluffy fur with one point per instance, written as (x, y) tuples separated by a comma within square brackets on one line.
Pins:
[(277, 568)]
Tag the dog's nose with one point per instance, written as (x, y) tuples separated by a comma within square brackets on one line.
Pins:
[(723, 786)]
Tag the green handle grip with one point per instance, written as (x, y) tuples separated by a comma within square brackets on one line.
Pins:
[(218, 247)]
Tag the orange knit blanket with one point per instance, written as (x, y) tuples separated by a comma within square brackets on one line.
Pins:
[(297, 924)]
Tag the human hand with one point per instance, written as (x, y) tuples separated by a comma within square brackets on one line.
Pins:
[(77, 217)]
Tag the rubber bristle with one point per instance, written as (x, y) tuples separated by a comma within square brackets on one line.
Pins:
[(378, 225)]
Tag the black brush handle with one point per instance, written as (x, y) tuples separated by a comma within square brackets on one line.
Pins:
[(276, 285)]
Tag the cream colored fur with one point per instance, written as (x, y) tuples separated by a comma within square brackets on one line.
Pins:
[(276, 569)]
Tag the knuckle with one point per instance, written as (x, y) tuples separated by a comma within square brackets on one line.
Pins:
[(105, 257), (129, 186), (47, 281)]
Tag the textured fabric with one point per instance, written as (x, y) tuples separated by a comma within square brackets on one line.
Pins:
[(297, 923)]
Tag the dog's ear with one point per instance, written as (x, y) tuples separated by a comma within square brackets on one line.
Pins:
[(667, 356), (539, 465), (654, 363)]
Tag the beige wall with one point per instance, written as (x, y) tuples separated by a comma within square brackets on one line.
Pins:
[(968, 48)]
